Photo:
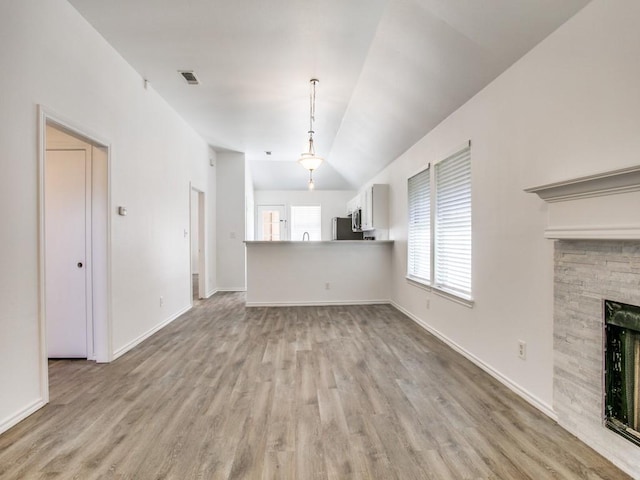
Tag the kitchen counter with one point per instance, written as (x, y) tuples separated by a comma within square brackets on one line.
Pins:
[(337, 272), (323, 242)]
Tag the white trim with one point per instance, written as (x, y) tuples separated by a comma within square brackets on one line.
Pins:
[(444, 293), (599, 184), (315, 303), (454, 297), (232, 289), (212, 292), (46, 115), (71, 127), (201, 245), (616, 232), (42, 326), (88, 248), (414, 281), (9, 422), (514, 387), (135, 342)]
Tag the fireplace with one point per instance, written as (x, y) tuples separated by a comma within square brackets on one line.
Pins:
[(622, 369), (596, 285), (595, 226)]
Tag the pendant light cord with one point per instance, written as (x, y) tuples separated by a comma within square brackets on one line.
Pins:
[(312, 104), (312, 114)]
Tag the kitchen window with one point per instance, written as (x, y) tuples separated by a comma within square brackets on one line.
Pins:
[(306, 223), (439, 229)]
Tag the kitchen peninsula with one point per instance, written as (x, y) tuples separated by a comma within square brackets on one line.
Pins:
[(318, 273)]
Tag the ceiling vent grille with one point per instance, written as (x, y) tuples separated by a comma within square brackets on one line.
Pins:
[(189, 76)]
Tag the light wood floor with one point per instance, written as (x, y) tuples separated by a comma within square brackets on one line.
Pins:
[(293, 393)]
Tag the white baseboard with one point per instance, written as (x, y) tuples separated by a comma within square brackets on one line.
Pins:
[(124, 349), (232, 289), (210, 293), (315, 303), (9, 422), (511, 385)]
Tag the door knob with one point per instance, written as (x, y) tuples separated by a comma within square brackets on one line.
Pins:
[(79, 264)]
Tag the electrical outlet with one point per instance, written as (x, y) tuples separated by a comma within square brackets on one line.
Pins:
[(522, 350), (161, 301), (327, 286)]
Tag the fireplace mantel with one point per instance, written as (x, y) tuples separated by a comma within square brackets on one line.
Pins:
[(601, 206)]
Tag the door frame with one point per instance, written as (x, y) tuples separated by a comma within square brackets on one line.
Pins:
[(202, 292), (103, 346), (284, 225)]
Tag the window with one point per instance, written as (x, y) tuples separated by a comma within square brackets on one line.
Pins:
[(452, 252), (306, 219), (419, 232), (439, 229)]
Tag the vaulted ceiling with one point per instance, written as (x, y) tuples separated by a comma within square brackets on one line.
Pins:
[(389, 71)]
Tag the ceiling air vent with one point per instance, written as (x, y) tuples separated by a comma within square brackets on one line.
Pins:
[(189, 76)]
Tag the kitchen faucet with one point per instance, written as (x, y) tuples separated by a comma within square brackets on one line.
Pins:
[(305, 234)]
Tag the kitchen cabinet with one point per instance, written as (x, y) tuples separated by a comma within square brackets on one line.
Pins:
[(375, 207)]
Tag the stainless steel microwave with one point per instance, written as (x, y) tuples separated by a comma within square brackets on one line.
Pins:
[(356, 220)]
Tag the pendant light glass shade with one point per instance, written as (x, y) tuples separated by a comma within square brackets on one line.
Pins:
[(310, 161)]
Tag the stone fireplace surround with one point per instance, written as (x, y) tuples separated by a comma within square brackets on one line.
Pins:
[(595, 222), (586, 273)]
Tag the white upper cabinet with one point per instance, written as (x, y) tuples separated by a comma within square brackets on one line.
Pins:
[(375, 207)]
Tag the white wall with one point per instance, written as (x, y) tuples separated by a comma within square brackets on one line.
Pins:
[(211, 237), (194, 231), (249, 203), (333, 203), (318, 273), (571, 107), (58, 60), (230, 191)]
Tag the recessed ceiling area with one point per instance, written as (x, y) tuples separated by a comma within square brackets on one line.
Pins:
[(389, 71)]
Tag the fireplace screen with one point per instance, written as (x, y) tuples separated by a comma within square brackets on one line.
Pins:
[(622, 369)]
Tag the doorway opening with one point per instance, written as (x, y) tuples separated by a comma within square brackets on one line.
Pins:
[(197, 228), (74, 225)]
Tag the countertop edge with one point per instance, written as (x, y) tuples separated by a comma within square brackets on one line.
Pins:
[(322, 242)]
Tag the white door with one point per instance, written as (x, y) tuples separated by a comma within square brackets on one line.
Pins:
[(65, 250), (271, 222)]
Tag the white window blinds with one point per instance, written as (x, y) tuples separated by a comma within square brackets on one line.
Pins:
[(306, 219), (452, 250), (419, 231)]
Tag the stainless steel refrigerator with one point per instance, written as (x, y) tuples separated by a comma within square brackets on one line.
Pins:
[(341, 229)]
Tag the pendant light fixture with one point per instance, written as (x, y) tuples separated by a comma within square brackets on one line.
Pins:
[(310, 160)]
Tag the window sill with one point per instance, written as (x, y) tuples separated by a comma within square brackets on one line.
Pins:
[(418, 283), (454, 297)]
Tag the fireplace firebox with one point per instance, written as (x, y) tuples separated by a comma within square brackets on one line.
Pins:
[(622, 369)]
